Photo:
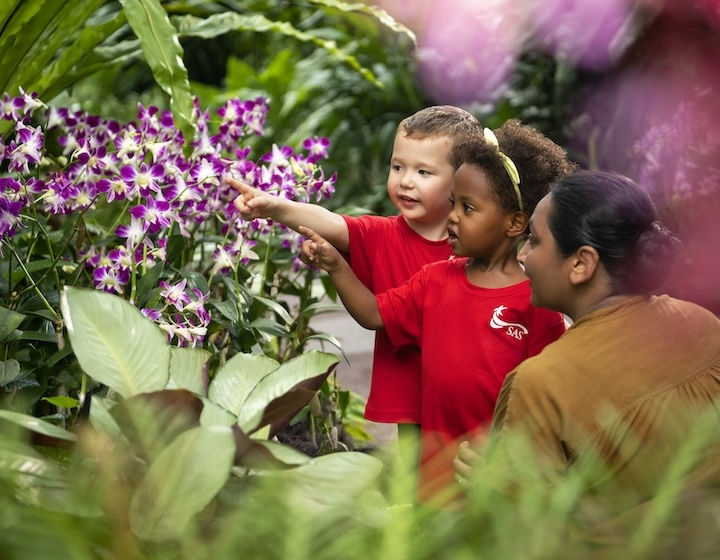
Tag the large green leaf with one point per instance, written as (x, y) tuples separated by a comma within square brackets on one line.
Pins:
[(181, 482), (299, 375), (331, 482), (53, 29), (114, 343), (367, 8), (215, 415), (36, 425), (102, 420), (189, 369), (218, 24), (37, 480), (76, 60), (164, 54), (9, 371), (236, 379), (152, 420), (9, 321)]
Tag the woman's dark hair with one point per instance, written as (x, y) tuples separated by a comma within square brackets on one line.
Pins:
[(609, 212), (539, 161)]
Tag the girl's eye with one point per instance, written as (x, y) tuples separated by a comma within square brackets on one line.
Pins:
[(452, 203), (467, 208)]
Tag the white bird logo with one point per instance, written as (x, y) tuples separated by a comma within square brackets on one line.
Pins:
[(516, 330)]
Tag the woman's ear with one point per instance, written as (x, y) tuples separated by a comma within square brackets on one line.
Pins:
[(517, 224), (583, 264)]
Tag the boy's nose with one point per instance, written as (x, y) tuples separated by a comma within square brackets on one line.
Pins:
[(406, 181)]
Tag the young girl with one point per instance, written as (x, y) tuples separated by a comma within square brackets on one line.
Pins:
[(471, 316)]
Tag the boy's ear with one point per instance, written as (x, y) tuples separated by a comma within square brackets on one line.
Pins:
[(517, 224), (583, 264)]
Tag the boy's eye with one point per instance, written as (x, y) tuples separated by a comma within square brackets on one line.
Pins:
[(424, 172), (467, 208), (452, 203)]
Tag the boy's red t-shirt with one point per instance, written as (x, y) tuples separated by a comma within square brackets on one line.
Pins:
[(384, 253)]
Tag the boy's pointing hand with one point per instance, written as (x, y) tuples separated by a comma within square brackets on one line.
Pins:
[(251, 202)]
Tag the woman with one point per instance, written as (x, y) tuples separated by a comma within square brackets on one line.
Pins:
[(618, 394)]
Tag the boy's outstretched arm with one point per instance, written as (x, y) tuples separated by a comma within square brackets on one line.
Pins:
[(358, 300), (254, 203)]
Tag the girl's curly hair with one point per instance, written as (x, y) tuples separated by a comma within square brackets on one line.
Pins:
[(540, 163)]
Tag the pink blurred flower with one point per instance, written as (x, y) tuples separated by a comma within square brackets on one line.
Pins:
[(589, 34), (467, 50)]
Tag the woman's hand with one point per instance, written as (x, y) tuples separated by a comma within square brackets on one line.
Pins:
[(466, 462)]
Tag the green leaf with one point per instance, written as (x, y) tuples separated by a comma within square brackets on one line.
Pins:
[(215, 415), (38, 336), (82, 51), (284, 453), (31, 470), (218, 24), (102, 420), (228, 309), (36, 425), (114, 343), (368, 9), (188, 369), (276, 307), (63, 402), (164, 54), (237, 378), (9, 321), (312, 366), (9, 372), (151, 421), (343, 477), (147, 283), (181, 482), (54, 29), (268, 326)]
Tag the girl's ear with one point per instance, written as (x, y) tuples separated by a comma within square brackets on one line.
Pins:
[(517, 224), (583, 264)]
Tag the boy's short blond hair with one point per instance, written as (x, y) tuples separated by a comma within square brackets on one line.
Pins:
[(440, 121)]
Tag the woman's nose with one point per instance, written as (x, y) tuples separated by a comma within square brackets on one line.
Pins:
[(522, 253)]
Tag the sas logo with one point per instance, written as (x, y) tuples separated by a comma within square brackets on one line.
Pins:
[(515, 330)]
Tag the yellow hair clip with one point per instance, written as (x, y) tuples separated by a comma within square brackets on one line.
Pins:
[(509, 165)]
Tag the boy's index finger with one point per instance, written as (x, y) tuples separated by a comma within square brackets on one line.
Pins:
[(238, 185)]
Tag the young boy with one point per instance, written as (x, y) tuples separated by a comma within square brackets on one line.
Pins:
[(384, 252), (471, 316)]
